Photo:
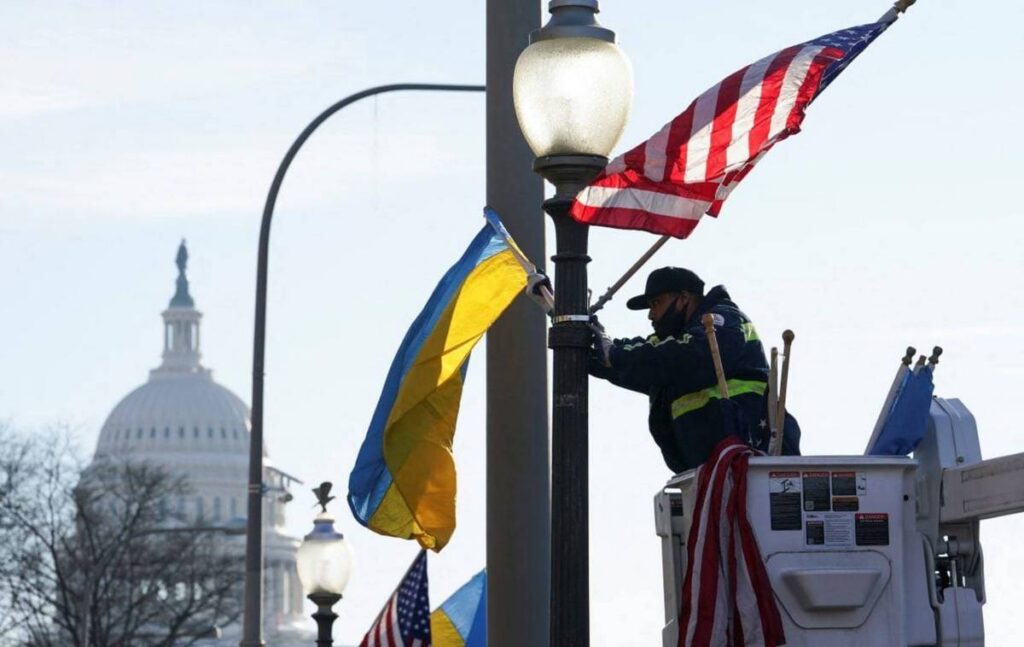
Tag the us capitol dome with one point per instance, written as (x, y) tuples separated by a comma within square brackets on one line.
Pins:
[(188, 424)]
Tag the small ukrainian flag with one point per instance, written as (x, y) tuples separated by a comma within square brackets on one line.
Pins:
[(462, 620)]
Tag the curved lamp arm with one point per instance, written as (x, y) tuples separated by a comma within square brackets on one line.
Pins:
[(252, 630)]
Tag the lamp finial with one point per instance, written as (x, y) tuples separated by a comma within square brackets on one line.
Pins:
[(323, 495)]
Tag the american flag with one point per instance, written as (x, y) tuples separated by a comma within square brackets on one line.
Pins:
[(727, 597), (405, 619), (666, 184)]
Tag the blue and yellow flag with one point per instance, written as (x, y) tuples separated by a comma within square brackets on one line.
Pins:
[(462, 620), (403, 482)]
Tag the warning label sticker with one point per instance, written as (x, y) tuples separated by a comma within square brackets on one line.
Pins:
[(844, 483), (872, 529), (815, 532), (784, 499), (817, 494), (832, 529), (845, 503), (784, 482)]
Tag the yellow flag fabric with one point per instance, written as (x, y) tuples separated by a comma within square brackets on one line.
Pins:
[(404, 482), (461, 620)]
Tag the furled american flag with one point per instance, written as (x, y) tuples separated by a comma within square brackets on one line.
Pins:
[(666, 184), (727, 596), (405, 619)]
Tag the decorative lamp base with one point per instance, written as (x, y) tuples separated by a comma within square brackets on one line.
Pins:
[(324, 616)]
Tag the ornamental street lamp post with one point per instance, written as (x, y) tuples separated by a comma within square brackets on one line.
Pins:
[(572, 90), (252, 617), (324, 563)]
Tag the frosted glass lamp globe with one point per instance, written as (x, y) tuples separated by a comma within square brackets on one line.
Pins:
[(324, 559), (572, 95)]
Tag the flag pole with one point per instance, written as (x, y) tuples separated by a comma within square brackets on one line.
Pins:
[(716, 356), (610, 292), (775, 446), (774, 432)]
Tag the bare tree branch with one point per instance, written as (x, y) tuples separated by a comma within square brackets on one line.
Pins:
[(90, 558)]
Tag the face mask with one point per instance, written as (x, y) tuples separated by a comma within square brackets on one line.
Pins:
[(672, 322)]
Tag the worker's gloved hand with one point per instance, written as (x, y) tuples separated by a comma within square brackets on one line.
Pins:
[(602, 342), (538, 288)]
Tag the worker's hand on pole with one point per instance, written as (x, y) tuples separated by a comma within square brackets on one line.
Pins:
[(538, 288), (602, 342)]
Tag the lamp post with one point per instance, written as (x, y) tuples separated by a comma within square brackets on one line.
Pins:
[(324, 562), (572, 90), (252, 616)]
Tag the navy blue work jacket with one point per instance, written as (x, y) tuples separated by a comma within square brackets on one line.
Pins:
[(678, 376)]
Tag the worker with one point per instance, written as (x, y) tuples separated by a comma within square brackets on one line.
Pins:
[(674, 368)]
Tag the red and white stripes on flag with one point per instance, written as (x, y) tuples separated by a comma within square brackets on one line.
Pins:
[(727, 597), (384, 632), (405, 619), (666, 184)]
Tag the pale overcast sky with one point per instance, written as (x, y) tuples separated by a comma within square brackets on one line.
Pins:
[(893, 219)]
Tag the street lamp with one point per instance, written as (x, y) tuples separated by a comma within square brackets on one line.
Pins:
[(572, 89), (252, 616), (324, 562)]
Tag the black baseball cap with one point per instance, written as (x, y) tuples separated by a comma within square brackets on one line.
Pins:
[(667, 279)]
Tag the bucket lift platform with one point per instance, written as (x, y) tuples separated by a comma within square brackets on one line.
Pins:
[(866, 550)]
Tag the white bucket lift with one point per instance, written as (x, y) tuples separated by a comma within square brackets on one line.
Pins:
[(866, 550)]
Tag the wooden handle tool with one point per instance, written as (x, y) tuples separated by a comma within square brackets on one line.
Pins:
[(773, 401), (780, 417), (709, 327)]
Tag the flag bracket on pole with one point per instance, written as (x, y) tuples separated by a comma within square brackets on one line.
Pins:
[(564, 318), (902, 5)]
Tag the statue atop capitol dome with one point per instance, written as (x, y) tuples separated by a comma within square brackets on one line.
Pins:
[(183, 421)]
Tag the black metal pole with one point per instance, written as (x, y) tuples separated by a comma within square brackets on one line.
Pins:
[(569, 339), (324, 616), (252, 625)]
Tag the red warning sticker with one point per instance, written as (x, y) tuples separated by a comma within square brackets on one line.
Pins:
[(872, 528)]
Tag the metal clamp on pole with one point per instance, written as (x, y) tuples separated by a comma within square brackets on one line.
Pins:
[(569, 336), (563, 318)]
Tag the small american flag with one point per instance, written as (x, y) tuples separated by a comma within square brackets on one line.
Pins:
[(405, 619), (666, 184)]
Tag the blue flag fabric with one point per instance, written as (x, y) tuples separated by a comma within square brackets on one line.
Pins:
[(461, 621), (908, 417)]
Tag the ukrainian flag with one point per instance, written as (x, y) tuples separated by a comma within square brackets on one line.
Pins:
[(462, 620), (403, 482)]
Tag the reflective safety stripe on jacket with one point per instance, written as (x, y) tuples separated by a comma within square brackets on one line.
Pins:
[(692, 401), (749, 332)]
